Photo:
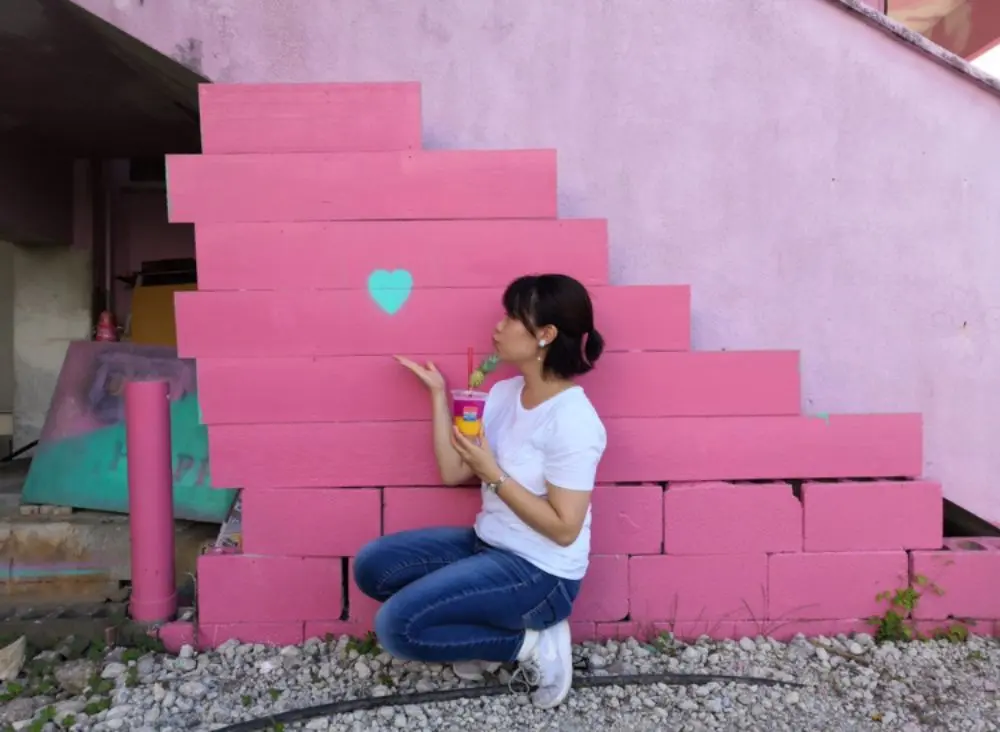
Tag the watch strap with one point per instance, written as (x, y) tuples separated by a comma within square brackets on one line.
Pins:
[(494, 486)]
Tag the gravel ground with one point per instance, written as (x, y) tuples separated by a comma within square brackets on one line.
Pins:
[(847, 684)]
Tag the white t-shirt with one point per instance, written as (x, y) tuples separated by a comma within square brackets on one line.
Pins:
[(560, 441)]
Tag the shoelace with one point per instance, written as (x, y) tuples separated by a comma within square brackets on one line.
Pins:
[(525, 677)]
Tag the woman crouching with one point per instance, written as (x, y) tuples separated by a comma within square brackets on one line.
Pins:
[(502, 590)]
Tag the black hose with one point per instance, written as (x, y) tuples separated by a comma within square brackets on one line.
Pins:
[(474, 692), (18, 451)]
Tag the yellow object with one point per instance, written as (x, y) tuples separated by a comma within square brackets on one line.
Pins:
[(153, 321), (469, 428)]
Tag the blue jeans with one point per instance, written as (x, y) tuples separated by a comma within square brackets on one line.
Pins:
[(449, 597)]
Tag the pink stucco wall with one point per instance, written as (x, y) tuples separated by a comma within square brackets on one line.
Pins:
[(821, 186)]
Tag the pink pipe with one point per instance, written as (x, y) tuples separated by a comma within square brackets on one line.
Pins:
[(150, 500)]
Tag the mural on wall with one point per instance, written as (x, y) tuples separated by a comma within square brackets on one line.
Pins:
[(81, 459)]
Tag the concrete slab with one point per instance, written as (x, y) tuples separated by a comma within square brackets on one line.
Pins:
[(74, 557)]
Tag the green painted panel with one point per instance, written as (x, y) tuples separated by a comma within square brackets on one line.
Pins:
[(81, 460), (91, 470)]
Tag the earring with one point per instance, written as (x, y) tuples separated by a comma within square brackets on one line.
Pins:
[(541, 343)]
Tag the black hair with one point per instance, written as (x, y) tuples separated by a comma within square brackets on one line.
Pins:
[(562, 302)]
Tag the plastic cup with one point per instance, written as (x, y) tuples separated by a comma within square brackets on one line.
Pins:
[(467, 411)]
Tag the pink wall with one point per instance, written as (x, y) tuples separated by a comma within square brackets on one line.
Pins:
[(821, 186)]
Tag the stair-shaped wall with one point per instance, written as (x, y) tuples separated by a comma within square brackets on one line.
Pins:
[(328, 241)]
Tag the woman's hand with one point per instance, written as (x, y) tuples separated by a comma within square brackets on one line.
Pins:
[(479, 458), (428, 374)]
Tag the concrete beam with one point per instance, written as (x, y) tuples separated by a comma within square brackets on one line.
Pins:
[(36, 195)]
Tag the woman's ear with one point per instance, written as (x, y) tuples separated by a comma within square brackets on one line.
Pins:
[(548, 333)]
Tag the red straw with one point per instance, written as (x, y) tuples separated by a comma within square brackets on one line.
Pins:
[(472, 366)]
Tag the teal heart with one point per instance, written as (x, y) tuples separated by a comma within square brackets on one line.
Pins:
[(390, 290)]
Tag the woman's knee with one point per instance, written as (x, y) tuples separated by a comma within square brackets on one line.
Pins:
[(369, 568)]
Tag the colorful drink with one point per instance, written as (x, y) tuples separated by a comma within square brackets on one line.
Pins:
[(467, 411)]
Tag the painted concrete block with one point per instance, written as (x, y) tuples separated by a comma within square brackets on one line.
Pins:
[(679, 449), (421, 508), (241, 588), (310, 522), (213, 635), (415, 184), (625, 519), (283, 118), (259, 390), (342, 255), (959, 583), (832, 586), (677, 588), (723, 518), (604, 594), (872, 516), (312, 323)]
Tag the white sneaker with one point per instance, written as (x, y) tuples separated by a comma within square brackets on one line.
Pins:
[(547, 662), (475, 670)]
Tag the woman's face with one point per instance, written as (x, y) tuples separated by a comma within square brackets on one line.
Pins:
[(514, 342)]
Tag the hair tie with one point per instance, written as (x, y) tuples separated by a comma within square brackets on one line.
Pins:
[(583, 347)]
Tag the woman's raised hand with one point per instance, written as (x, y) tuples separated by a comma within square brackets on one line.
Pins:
[(427, 373)]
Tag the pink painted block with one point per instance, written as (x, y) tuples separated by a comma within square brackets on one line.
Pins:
[(625, 519), (722, 587), (242, 588), (282, 118), (350, 323), (175, 634), (639, 450), (248, 391), (213, 635), (872, 516), (696, 384), (722, 518), (422, 508), (605, 590), (831, 586), (360, 619), (727, 448), (618, 631), (314, 522), (582, 632), (361, 609), (330, 255), (417, 184), (957, 583)]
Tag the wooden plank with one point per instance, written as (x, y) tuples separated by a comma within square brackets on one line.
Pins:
[(283, 118), (639, 450), (432, 321), (342, 254), (376, 388), (440, 184)]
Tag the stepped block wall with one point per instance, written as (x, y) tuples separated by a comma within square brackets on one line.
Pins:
[(328, 241)]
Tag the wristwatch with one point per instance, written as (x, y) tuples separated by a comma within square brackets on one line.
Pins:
[(494, 486)]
